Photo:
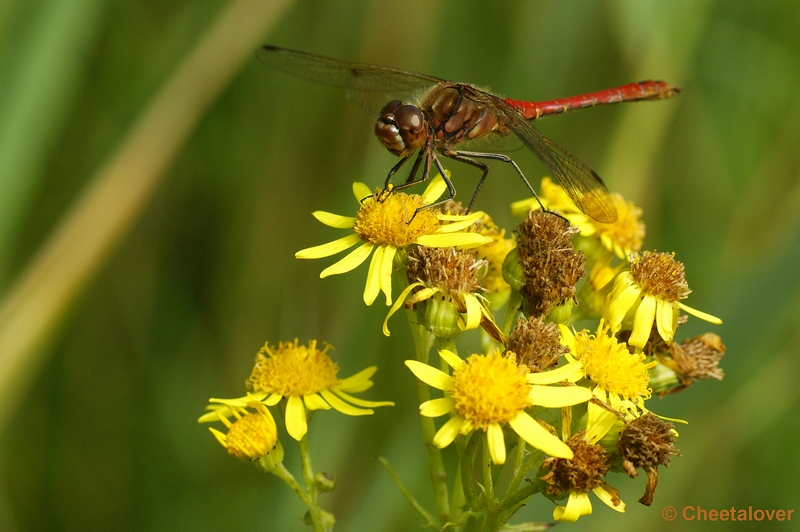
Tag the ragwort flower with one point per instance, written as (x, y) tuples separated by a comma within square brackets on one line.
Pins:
[(386, 223), (650, 291), (486, 392), (306, 377)]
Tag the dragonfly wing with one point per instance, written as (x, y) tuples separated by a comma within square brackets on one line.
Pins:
[(581, 183), (369, 86)]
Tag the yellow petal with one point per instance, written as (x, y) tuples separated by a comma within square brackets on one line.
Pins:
[(463, 221), (473, 312), (343, 407), (643, 322), (536, 435), (331, 248), (452, 359), (571, 372), (397, 304), (552, 397), (358, 382), (315, 402), (349, 262), (373, 286), (334, 220), (361, 191), (599, 422), (361, 402), (699, 314), (430, 375), (296, 424), (459, 240), (497, 445), (448, 432), (666, 319), (608, 497), (616, 308), (436, 407), (578, 504), (435, 189), (385, 279)]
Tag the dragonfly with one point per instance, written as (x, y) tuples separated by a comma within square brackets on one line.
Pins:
[(431, 117)]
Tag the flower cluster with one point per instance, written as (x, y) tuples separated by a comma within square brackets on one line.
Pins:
[(564, 405)]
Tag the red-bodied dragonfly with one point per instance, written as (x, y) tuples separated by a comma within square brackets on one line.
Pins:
[(429, 116)]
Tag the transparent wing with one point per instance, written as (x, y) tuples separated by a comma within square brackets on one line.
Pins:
[(369, 86), (582, 185)]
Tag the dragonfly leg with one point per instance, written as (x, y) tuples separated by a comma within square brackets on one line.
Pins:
[(464, 156), (459, 156)]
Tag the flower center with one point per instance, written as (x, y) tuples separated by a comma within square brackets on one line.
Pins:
[(611, 366), (293, 369), (661, 275), (490, 389), (251, 437), (386, 223)]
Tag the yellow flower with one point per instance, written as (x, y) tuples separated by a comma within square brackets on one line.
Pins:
[(306, 377), (622, 237), (650, 291), (486, 392), (252, 435), (385, 224), (620, 379)]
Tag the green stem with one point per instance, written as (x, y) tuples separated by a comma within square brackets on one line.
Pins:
[(488, 481), (514, 300), (431, 520), (422, 344), (323, 521)]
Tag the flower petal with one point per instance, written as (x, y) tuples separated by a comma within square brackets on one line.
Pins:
[(552, 397), (578, 504), (349, 262), (452, 359), (623, 296), (296, 424), (434, 190), (373, 286), (436, 407), (448, 432), (361, 402), (473, 312), (536, 435), (459, 222), (430, 375), (314, 401), (497, 445), (666, 314), (334, 220), (358, 382), (385, 279), (571, 372), (397, 304), (343, 407), (609, 497), (459, 240), (599, 422), (700, 314), (331, 248), (361, 191), (643, 322)]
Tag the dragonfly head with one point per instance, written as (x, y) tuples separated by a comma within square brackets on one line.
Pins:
[(401, 128)]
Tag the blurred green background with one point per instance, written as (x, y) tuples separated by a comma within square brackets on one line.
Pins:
[(99, 410)]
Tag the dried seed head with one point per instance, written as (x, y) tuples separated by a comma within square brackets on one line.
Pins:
[(550, 264), (660, 274), (586, 470), (692, 360), (536, 344), (452, 270), (646, 443)]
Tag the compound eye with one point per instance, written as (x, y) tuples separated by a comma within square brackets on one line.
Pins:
[(409, 118), (389, 109)]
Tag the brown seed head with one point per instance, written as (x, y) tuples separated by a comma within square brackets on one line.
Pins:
[(536, 343), (660, 274), (584, 472)]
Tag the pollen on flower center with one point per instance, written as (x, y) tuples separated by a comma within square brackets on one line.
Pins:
[(386, 223), (660, 274), (611, 366), (293, 369), (490, 389)]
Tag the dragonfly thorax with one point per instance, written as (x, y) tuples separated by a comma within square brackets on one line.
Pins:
[(401, 128)]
